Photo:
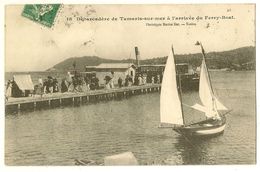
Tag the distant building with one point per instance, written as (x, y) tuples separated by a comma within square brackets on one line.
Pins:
[(152, 68), (182, 68), (188, 75), (114, 70)]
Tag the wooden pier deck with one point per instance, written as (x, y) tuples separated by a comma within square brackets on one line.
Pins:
[(75, 98)]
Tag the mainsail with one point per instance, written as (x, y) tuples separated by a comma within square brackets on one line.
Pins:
[(170, 103)]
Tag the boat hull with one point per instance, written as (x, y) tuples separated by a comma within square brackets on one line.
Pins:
[(206, 129)]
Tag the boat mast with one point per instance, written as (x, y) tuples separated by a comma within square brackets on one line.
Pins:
[(179, 88)]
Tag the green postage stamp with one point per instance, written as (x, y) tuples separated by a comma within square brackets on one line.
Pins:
[(41, 13)]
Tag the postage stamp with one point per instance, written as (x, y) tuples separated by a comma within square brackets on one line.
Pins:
[(41, 13)]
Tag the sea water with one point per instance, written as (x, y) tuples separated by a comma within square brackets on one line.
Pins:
[(91, 132)]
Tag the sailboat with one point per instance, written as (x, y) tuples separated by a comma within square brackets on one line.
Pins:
[(171, 105)]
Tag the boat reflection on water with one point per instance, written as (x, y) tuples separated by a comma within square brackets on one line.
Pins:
[(195, 151)]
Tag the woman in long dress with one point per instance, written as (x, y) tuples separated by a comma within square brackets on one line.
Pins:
[(8, 92)]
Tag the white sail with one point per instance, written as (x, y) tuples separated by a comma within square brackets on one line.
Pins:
[(207, 97), (204, 109), (219, 105), (170, 104)]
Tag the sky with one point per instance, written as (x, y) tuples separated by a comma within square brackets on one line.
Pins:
[(30, 46)]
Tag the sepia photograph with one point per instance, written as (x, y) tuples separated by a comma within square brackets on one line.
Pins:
[(129, 84)]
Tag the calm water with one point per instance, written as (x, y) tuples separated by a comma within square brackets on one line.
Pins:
[(58, 136)]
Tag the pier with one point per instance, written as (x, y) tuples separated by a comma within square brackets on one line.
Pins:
[(37, 102)]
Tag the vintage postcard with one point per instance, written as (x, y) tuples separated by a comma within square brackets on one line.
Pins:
[(164, 84)]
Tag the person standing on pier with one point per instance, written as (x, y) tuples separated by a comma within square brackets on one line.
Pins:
[(111, 82), (50, 85), (8, 92), (45, 86), (152, 80), (126, 81), (55, 85), (74, 83), (130, 80), (84, 86), (69, 78), (107, 82), (71, 85), (94, 83), (120, 81), (144, 78), (40, 89), (64, 85), (140, 81), (158, 79)]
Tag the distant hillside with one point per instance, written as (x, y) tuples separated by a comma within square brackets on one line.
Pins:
[(215, 60), (81, 62)]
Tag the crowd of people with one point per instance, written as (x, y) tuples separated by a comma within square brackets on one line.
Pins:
[(77, 83), (71, 83), (140, 79)]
